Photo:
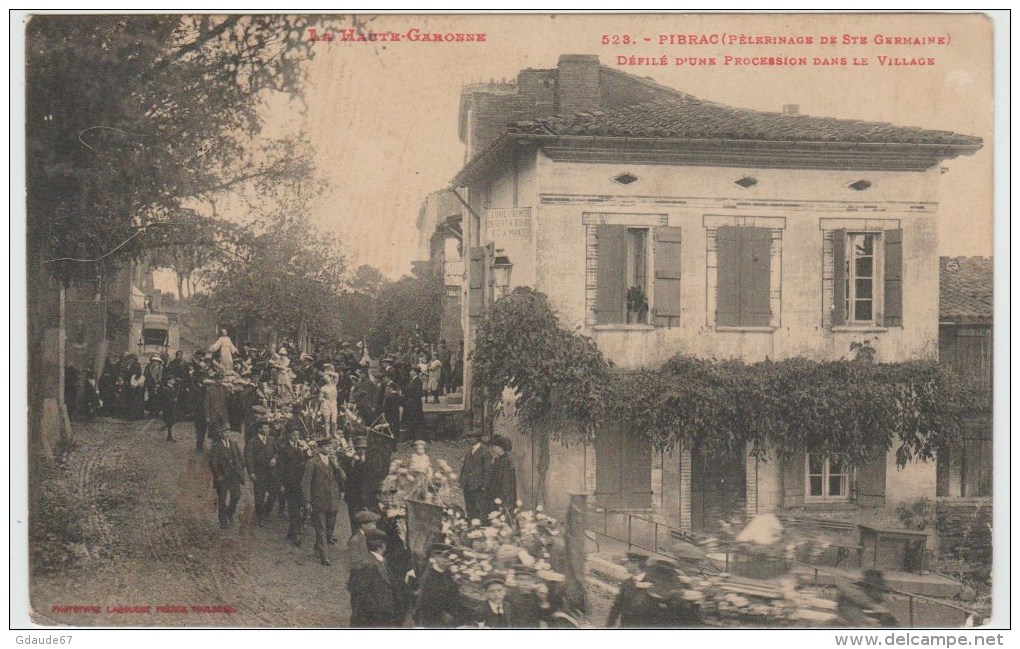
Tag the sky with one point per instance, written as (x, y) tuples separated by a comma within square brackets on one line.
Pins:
[(383, 115)]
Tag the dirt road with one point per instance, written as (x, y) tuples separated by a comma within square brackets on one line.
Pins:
[(168, 563)]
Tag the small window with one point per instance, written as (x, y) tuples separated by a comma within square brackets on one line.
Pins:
[(861, 272), (637, 276), (828, 476), (867, 287), (626, 178)]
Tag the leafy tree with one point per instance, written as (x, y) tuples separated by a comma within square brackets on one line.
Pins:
[(129, 120), (283, 276), (367, 280), (406, 308), (187, 244), (559, 376)]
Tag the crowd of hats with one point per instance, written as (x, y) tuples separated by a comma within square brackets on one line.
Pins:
[(518, 550), (722, 598)]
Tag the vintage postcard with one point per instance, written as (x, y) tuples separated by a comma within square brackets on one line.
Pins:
[(674, 321)]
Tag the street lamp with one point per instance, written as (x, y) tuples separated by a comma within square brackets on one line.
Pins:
[(501, 269)]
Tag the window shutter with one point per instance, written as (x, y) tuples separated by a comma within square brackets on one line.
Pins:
[(667, 276), (727, 308), (838, 278), (756, 257), (611, 299), (893, 315), (476, 282), (793, 481), (871, 481), (609, 466)]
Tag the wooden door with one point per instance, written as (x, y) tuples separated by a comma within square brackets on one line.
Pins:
[(718, 489)]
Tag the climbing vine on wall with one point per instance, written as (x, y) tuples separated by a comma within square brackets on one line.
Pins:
[(772, 408), (795, 405)]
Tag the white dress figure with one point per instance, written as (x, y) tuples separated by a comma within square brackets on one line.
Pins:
[(226, 348)]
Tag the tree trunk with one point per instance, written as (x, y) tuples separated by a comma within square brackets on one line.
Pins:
[(48, 424), (543, 468)]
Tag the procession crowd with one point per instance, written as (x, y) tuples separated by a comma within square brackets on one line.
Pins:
[(318, 436), (314, 434)]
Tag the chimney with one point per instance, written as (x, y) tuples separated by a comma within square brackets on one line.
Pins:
[(791, 109), (578, 84)]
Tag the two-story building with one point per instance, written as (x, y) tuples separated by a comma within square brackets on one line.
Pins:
[(679, 225)]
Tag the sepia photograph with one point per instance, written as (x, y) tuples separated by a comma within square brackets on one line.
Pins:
[(519, 321)]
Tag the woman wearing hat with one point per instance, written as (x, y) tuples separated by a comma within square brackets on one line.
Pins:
[(280, 363), (328, 398)]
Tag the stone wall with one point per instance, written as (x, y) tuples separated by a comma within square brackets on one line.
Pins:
[(963, 526)]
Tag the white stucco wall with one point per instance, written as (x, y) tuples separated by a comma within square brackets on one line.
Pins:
[(561, 194), (915, 480)]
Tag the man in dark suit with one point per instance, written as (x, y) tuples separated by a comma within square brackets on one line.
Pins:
[(374, 590), (259, 450), (474, 476), (358, 475), (290, 471), (414, 410), (627, 597), (498, 612), (321, 487), (215, 407), (227, 468), (501, 492), (357, 546), (439, 599), (445, 357)]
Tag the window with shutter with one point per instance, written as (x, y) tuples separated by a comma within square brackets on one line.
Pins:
[(727, 311), (667, 276), (793, 482), (893, 284), (839, 278), (828, 477), (867, 278), (744, 277), (611, 300), (871, 482)]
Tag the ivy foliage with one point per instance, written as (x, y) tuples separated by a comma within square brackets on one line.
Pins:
[(795, 405), (771, 408), (557, 374)]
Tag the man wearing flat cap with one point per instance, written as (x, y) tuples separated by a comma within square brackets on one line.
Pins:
[(374, 590), (357, 546)]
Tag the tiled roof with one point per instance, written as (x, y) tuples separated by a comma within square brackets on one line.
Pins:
[(965, 289), (689, 117)]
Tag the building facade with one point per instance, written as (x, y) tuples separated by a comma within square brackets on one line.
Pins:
[(677, 225)]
